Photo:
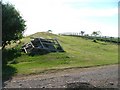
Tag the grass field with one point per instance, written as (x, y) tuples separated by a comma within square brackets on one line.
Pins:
[(79, 53)]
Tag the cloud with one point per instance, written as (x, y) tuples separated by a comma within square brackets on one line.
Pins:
[(42, 15), (98, 12)]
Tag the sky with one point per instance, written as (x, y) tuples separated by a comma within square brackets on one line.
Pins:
[(69, 15)]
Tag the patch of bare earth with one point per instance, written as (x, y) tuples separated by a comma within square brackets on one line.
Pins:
[(94, 77)]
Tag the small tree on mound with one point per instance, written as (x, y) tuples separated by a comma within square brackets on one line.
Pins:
[(82, 32), (13, 25), (95, 34), (49, 31)]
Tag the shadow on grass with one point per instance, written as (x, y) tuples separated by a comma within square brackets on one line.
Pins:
[(7, 72), (40, 51), (37, 51), (9, 55), (102, 43)]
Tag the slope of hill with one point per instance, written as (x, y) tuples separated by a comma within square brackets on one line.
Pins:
[(79, 53)]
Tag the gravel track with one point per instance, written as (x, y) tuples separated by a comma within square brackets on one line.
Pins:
[(100, 77)]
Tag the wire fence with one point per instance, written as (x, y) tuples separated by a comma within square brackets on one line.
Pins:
[(115, 40)]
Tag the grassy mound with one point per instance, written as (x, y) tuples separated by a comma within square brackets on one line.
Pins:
[(79, 53)]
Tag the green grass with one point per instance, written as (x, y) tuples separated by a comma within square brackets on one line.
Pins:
[(79, 53)]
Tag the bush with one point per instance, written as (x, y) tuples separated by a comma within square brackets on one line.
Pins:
[(10, 55), (95, 41)]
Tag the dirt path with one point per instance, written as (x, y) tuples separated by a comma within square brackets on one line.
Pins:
[(102, 76)]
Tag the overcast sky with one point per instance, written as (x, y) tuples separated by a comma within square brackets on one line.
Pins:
[(69, 15)]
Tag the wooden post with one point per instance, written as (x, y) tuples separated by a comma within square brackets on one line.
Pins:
[(25, 50), (31, 44), (59, 44), (41, 43)]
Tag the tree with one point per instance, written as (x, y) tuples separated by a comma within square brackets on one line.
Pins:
[(49, 31), (13, 25), (96, 33), (82, 32)]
